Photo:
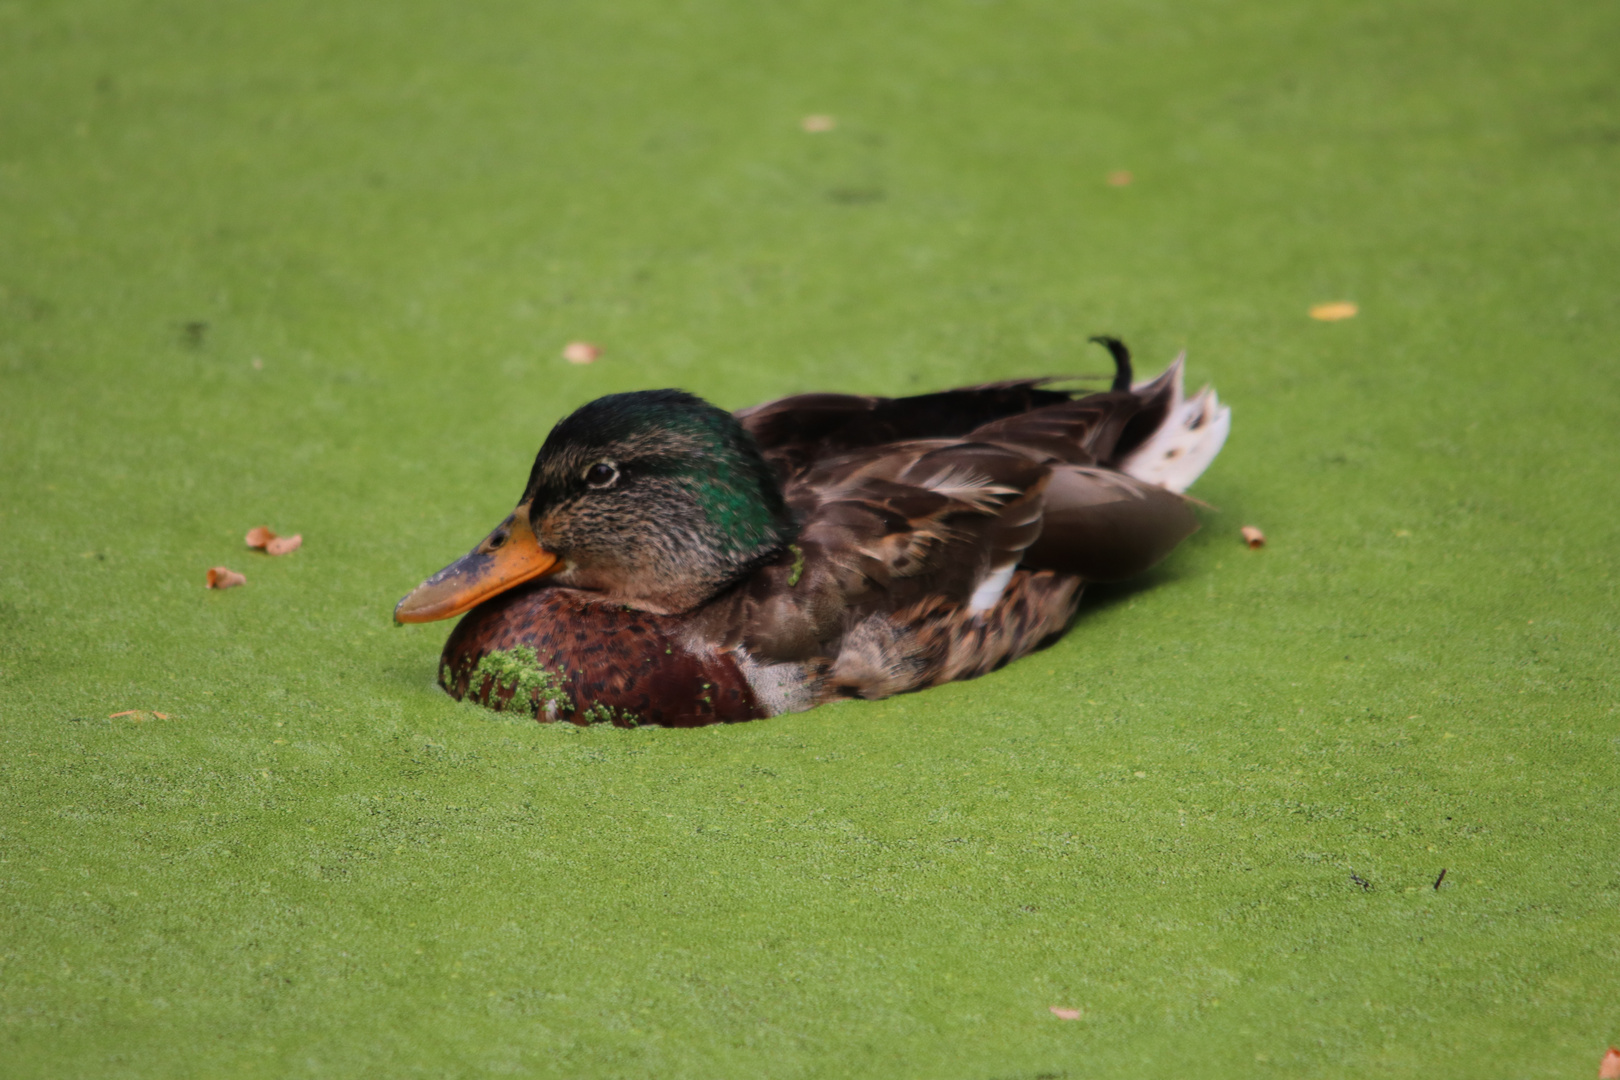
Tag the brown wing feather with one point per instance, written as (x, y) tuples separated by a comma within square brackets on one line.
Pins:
[(1081, 432), (1106, 526), (928, 519), (807, 430), (796, 431)]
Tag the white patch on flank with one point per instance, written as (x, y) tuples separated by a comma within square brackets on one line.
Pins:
[(990, 589), (1186, 443), (779, 688)]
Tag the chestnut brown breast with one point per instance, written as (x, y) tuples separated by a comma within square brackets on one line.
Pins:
[(591, 661)]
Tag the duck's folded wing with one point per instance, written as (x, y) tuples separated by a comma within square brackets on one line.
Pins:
[(943, 519), (1099, 522), (939, 520), (1106, 526), (1083, 432), (795, 431), (1090, 520)]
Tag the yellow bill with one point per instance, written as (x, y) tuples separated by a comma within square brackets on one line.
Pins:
[(508, 556)]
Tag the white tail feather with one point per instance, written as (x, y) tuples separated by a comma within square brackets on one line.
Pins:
[(1186, 443)]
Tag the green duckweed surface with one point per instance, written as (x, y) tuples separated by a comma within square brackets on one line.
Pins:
[(312, 266)]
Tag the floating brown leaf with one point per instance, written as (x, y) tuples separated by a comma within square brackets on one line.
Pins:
[(271, 544), (816, 123), (220, 577), (1065, 1014), (581, 352), (1610, 1069), (1119, 178), (281, 545), (1339, 309), (1253, 537)]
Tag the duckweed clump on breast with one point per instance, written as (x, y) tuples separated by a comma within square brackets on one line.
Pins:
[(519, 669), (599, 713)]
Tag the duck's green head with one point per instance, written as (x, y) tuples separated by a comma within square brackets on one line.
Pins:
[(656, 499)]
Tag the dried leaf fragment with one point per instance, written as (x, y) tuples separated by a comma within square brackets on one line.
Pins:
[(1610, 1069), (271, 544), (581, 352), (126, 712), (1253, 537), (1065, 1014), (220, 577), (1339, 309), (160, 715), (816, 123), (281, 545), (1120, 178)]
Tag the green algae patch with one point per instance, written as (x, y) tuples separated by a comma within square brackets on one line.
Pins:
[(506, 676), (598, 713), (516, 681)]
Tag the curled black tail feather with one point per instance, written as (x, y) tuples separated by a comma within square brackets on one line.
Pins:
[(1122, 361)]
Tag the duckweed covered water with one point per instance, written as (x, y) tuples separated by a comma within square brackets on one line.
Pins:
[(312, 266)]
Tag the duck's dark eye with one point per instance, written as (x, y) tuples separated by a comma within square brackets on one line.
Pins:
[(601, 475)]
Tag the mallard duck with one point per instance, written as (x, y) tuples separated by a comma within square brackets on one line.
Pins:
[(673, 563)]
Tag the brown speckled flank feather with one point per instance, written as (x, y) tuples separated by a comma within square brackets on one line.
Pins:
[(929, 539)]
